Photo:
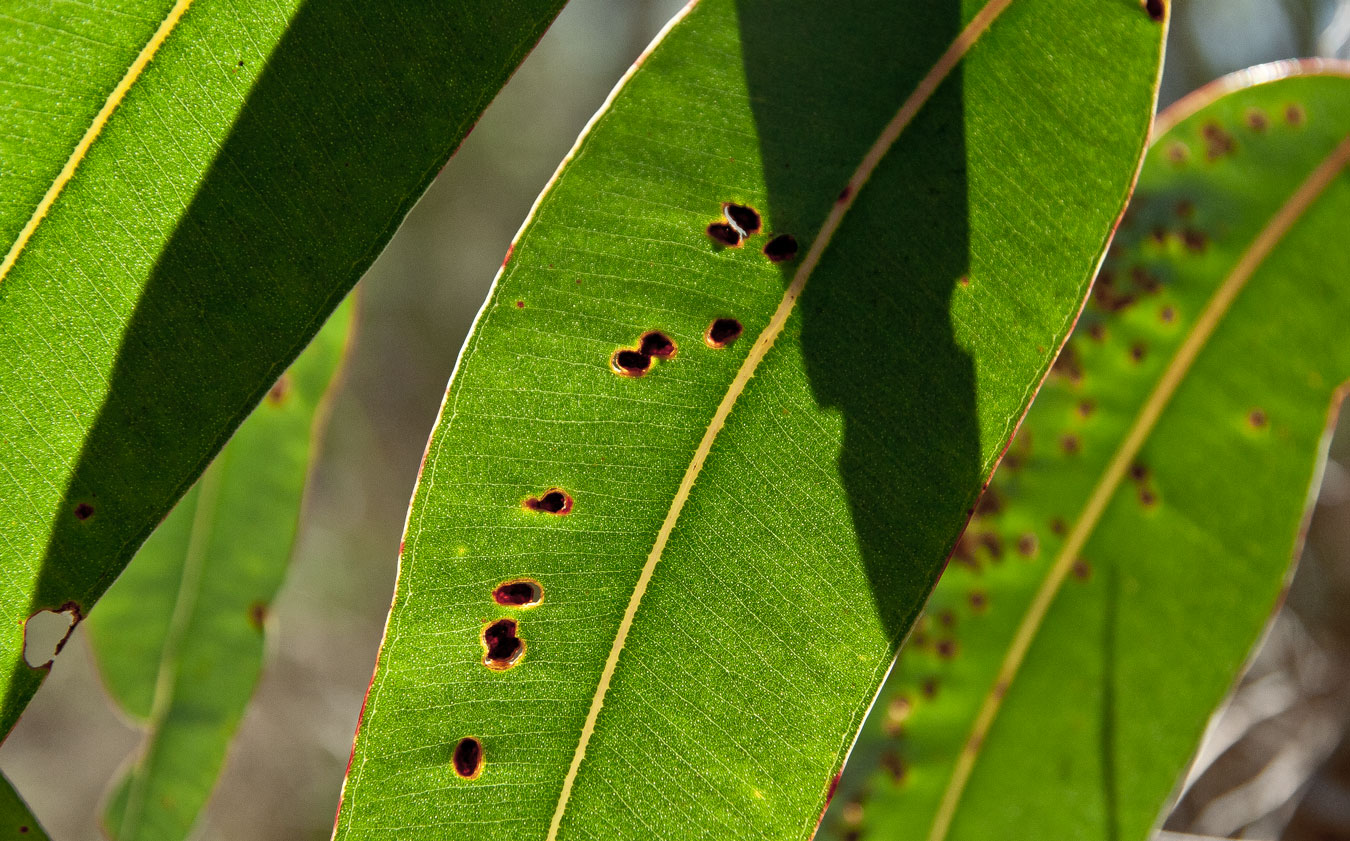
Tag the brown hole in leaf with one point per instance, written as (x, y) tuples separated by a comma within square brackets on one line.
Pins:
[(551, 501), (656, 344), (1257, 418), (743, 218), (280, 390), (1156, 9), (722, 332), (518, 592), (1028, 545), (780, 248), (630, 363), (1295, 115), (503, 647), (83, 511), (468, 758), (723, 234), (45, 633)]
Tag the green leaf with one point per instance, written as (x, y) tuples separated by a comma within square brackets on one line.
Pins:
[(1139, 533), (741, 554), (179, 637), (244, 163), (16, 821)]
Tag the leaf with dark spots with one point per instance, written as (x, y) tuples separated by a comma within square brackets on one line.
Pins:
[(551, 501), (468, 758), (722, 332), (724, 234), (781, 248)]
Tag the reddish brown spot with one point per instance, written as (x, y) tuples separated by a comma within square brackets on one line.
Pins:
[(978, 600), (656, 344), (84, 511), (964, 280), (468, 758), (1070, 444), (1028, 545), (1000, 689), (1185, 208), (520, 305), (1145, 280), (1147, 497), (1218, 142), (1257, 418), (1138, 351), (781, 248), (1178, 152), (845, 193), (1194, 240), (929, 688), (947, 619), (551, 501), (1097, 331), (1087, 407), (722, 332), (257, 615), (510, 249), (1294, 115), (280, 390), (993, 544), (502, 648), (990, 503), (1156, 9), (1058, 527), (1082, 570), (1256, 120), (630, 363), (743, 218), (1138, 471), (894, 766), (946, 649), (1167, 314), (518, 592), (723, 234)]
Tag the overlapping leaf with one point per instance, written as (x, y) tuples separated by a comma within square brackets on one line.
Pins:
[(1140, 529), (179, 637), (736, 627), (187, 189)]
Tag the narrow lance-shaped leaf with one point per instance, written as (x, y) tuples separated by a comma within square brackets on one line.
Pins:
[(728, 407), (179, 637), (187, 189), (16, 821), (1135, 540)]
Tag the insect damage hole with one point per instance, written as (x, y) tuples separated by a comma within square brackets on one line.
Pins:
[(502, 648), (630, 363), (724, 234), (1157, 9), (551, 501), (722, 332), (468, 758), (656, 344), (781, 248), (46, 632), (518, 592), (743, 218)]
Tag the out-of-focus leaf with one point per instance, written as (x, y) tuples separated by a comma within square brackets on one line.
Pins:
[(187, 189), (1139, 532), (736, 627), (16, 821), (179, 637)]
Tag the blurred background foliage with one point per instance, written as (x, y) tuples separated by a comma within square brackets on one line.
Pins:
[(1276, 763)]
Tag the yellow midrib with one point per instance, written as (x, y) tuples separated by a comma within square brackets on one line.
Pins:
[(91, 134), (1102, 493), (908, 109)]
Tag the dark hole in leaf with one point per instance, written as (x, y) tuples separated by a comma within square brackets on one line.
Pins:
[(1156, 9), (520, 592), (744, 219), (503, 646), (723, 233), (722, 332), (780, 248), (630, 363), (552, 501), (468, 758), (657, 344), (45, 633), (84, 511)]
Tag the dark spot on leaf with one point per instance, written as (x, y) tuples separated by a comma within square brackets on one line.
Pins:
[(990, 503), (468, 758), (947, 619), (1218, 142), (656, 344), (280, 390), (964, 280), (1185, 208), (743, 218), (1256, 120), (946, 649), (1167, 314), (845, 193), (1097, 331), (1070, 444), (551, 501), (993, 544), (1086, 407), (780, 248), (722, 332), (1294, 115), (630, 363), (518, 592), (894, 766), (1138, 471), (1159, 235), (1138, 351), (503, 646), (1057, 526), (929, 688), (978, 600), (84, 511), (1195, 240), (1147, 497), (1082, 570), (1145, 280), (257, 615), (724, 234), (1156, 9), (1178, 152), (1028, 545), (1257, 418), (520, 305), (1068, 365)]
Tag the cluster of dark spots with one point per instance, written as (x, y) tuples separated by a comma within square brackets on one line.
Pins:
[(743, 218), (1028, 545), (656, 344), (518, 592), (551, 501), (1138, 351), (724, 234), (1294, 115), (257, 615), (468, 758), (630, 363), (946, 649), (1218, 142), (722, 332), (83, 511), (1082, 570), (978, 600), (1194, 240), (1157, 9), (1256, 120), (781, 248), (894, 766), (502, 647), (1087, 407), (1168, 314), (280, 390), (1070, 444), (1257, 419)]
